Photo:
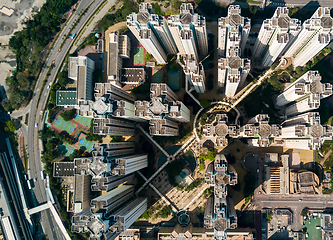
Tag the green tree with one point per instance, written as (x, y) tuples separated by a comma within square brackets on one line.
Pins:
[(52, 143), (68, 115), (63, 79), (205, 103), (10, 126), (304, 213), (76, 153)]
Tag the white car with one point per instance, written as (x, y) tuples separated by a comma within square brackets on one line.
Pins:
[(36, 124), (48, 87)]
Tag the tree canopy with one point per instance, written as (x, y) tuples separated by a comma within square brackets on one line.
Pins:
[(68, 115)]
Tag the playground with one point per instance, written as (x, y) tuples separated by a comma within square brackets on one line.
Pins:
[(84, 121), (65, 149), (157, 75), (82, 142), (62, 125), (138, 56)]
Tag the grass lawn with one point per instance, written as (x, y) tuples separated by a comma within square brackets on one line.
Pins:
[(314, 234), (138, 58), (64, 125), (157, 75)]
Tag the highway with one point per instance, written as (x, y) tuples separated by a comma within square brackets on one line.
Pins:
[(50, 229), (296, 202)]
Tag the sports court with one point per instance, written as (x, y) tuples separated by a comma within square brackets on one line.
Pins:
[(173, 79), (65, 149), (138, 56), (85, 121), (157, 75), (63, 125), (83, 143)]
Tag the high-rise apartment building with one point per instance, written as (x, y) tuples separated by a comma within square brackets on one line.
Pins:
[(163, 127), (309, 118), (309, 135), (109, 92), (81, 196), (232, 71), (275, 36), (163, 111), (152, 32), (189, 32), (195, 73), (129, 164), (219, 130), (233, 31), (110, 225), (306, 93), (163, 91), (110, 200), (127, 215), (81, 70), (316, 33), (112, 126), (110, 182), (179, 112), (219, 215), (258, 128), (113, 149)]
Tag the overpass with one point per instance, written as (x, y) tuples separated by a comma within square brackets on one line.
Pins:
[(55, 214)]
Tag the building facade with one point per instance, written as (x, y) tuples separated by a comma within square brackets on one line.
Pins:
[(304, 94), (189, 32), (195, 73), (316, 33), (152, 32), (275, 36)]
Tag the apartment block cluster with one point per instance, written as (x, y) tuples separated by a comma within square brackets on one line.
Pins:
[(119, 48), (220, 213), (184, 34), (109, 171), (233, 32), (115, 111), (285, 37), (303, 131)]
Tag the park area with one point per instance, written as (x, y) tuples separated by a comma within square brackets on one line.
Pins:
[(138, 56), (61, 125), (76, 129)]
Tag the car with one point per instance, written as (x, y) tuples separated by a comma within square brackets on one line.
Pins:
[(300, 200), (73, 35), (48, 87), (36, 124)]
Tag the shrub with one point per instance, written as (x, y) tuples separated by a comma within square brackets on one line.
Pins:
[(68, 115), (205, 103)]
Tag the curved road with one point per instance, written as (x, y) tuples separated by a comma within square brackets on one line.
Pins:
[(35, 115)]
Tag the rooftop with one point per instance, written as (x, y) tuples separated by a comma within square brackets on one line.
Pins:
[(63, 169), (66, 98)]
